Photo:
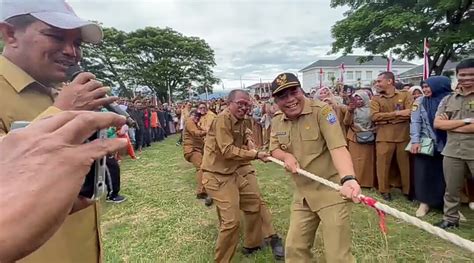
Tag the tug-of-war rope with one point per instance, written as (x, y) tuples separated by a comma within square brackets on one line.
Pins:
[(383, 209)]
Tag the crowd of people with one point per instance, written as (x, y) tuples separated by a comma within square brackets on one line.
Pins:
[(418, 139)]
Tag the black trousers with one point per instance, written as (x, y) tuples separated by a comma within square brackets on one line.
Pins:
[(146, 137), (139, 138), (112, 177)]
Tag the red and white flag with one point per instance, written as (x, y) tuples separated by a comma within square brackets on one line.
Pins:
[(321, 73), (426, 62), (342, 69), (389, 62)]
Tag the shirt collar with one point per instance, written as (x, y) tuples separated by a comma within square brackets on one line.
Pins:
[(232, 117), (17, 77), (306, 108), (391, 96)]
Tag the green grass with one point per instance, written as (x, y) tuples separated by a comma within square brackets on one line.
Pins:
[(163, 222)]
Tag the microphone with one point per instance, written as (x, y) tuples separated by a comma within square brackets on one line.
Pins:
[(75, 70)]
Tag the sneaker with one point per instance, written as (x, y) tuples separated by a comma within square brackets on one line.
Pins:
[(445, 224), (117, 199)]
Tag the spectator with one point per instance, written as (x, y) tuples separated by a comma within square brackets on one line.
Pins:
[(417, 91), (154, 123), (361, 138), (455, 115), (391, 114), (256, 117), (112, 174), (428, 166)]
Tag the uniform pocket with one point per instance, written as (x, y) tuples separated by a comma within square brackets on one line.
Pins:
[(311, 141), (210, 182)]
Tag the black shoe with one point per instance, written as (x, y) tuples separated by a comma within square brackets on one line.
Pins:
[(409, 198), (387, 197), (117, 199), (277, 246), (446, 224), (249, 251), (201, 196), (208, 201)]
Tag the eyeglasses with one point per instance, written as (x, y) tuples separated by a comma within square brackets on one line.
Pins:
[(242, 104)]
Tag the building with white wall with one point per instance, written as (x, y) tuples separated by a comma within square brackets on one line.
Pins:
[(354, 73)]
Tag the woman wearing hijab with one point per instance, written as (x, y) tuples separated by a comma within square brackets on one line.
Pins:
[(416, 92), (429, 179), (358, 119)]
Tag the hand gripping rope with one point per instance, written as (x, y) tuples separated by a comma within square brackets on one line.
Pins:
[(383, 209)]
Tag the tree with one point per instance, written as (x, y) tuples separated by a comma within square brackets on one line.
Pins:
[(401, 25), (108, 61), (160, 59), (168, 61)]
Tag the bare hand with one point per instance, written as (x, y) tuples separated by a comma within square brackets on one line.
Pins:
[(291, 164), (415, 148), (403, 113), (351, 107), (48, 160), (351, 189), (263, 156), (83, 93), (443, 117)]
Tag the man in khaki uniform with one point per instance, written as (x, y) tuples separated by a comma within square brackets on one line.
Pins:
[(207, 116), (193, 147), (307, 134), (230, 180), (456, 116), (42, 40), (391, 111)]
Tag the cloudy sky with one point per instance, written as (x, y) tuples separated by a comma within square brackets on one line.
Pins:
[(252, 39)]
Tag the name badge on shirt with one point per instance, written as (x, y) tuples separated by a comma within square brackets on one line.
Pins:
[(280, 133)]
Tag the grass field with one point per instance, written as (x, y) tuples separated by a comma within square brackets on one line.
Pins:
[(163, 222)]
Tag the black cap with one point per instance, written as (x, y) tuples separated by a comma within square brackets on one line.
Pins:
[(284, 81)]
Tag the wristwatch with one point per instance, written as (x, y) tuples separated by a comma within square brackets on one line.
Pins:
[(467, 121), (348, 178)]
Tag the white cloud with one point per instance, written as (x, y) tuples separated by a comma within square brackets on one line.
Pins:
[(251, 39)]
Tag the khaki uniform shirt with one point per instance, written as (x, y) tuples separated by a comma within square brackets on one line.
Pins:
[(391, 128), (309, 138), (23, 99), (225, 145), (458, 106), (193, 137), (206, 120)]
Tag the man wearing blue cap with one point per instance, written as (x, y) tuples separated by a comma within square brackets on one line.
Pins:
[(42, 40)]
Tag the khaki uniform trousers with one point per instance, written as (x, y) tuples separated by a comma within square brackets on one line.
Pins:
[(386, 151), (232, 193), (336, 231), (196, 159), (455, 170)]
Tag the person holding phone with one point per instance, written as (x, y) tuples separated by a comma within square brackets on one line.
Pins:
[(27, 221), (42, 40)]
